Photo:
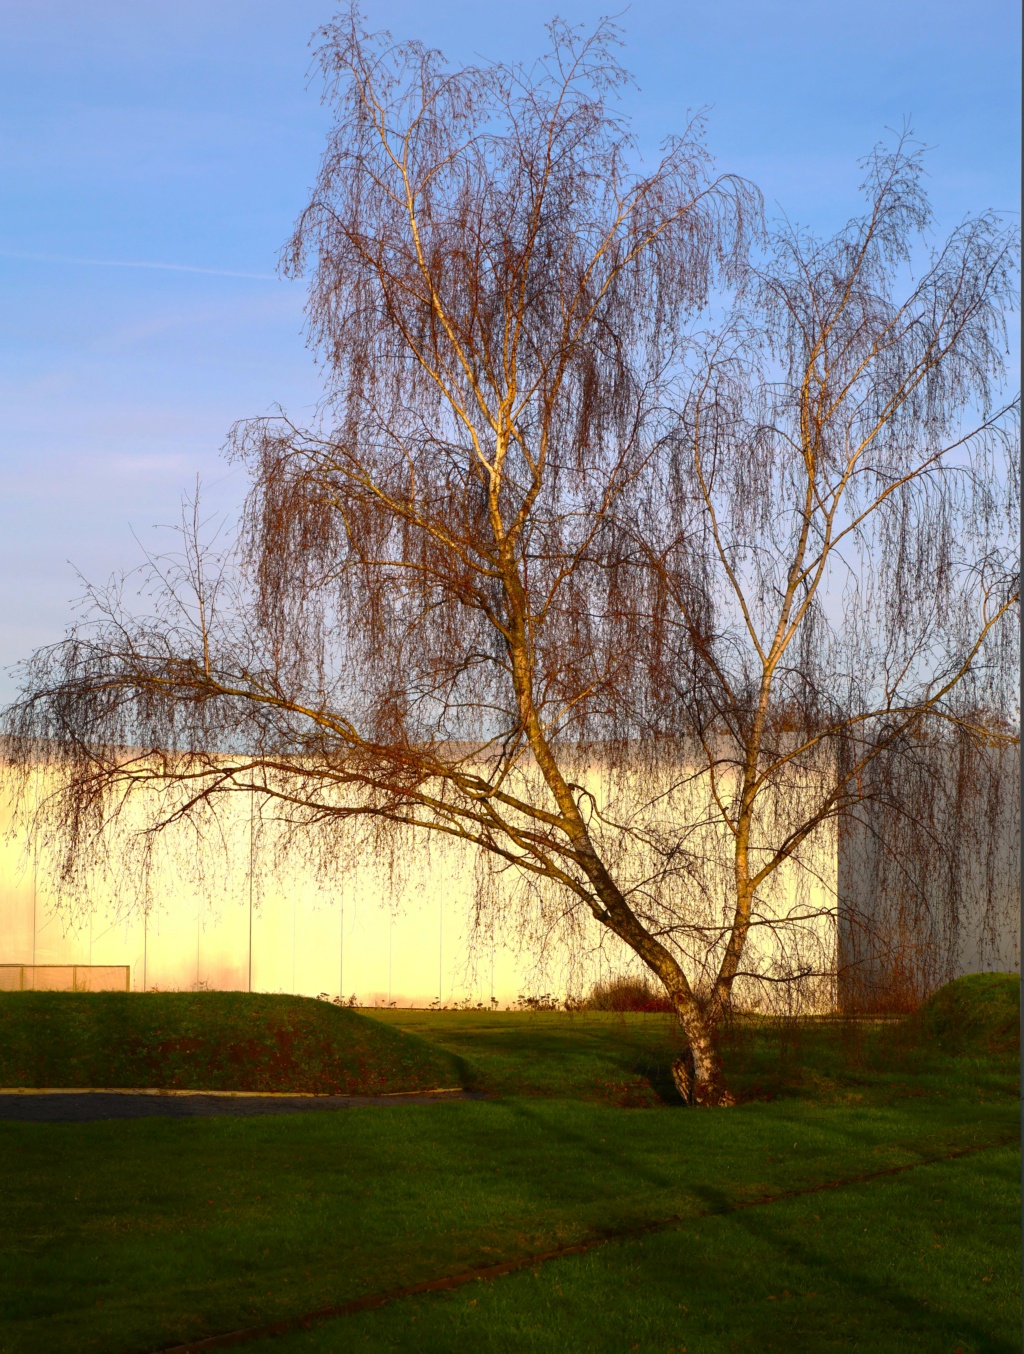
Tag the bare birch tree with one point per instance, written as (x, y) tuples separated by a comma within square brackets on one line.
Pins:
[(515, 543), (848, 457)]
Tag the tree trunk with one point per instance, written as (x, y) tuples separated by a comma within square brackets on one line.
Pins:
[(697, 1073)]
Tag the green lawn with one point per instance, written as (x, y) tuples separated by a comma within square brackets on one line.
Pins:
[(920, 1262), (128, 1236), (227, 1041)]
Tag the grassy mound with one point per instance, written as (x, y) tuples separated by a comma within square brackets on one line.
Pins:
[(977, 1013), (210, 1041)]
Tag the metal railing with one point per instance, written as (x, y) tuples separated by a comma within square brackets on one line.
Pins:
[(65, 978)]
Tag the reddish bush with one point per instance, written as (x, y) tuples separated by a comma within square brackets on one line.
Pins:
[(627, 994)]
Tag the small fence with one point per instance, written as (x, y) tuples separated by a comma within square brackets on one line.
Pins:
[(65, 978)]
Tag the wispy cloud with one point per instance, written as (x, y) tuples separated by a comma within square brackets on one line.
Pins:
[(133, 263)]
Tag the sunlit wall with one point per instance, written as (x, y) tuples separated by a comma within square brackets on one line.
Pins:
[(230, 913)]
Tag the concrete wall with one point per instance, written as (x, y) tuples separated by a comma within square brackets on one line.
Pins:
[(920, 906), (241, 922), (242, 912), (239, 911), (872, 922)]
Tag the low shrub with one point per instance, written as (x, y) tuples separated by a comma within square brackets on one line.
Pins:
[(627, 994), (544, 1002)]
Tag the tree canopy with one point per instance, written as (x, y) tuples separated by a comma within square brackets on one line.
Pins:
[(607, 474)]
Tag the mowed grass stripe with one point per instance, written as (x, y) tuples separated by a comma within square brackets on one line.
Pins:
[(926, 1262), (123, 1236), (146, 1234), (534, 1260)]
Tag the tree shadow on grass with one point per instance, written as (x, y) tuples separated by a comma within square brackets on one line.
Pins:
[(770, 1230), (658, 1076)]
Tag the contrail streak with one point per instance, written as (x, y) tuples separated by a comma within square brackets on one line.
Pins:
[(127, 263)]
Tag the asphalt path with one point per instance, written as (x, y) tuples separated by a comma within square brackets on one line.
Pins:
[(84, 1107)]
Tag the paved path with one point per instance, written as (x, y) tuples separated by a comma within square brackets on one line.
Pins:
[(81, 1107)]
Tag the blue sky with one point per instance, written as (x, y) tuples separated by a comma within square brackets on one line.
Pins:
[(183, 133)]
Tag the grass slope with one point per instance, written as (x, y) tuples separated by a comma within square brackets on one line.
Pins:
[(623, 1058), (619, 1058), (126, 1236), (979, 1011), (218, 1041)]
